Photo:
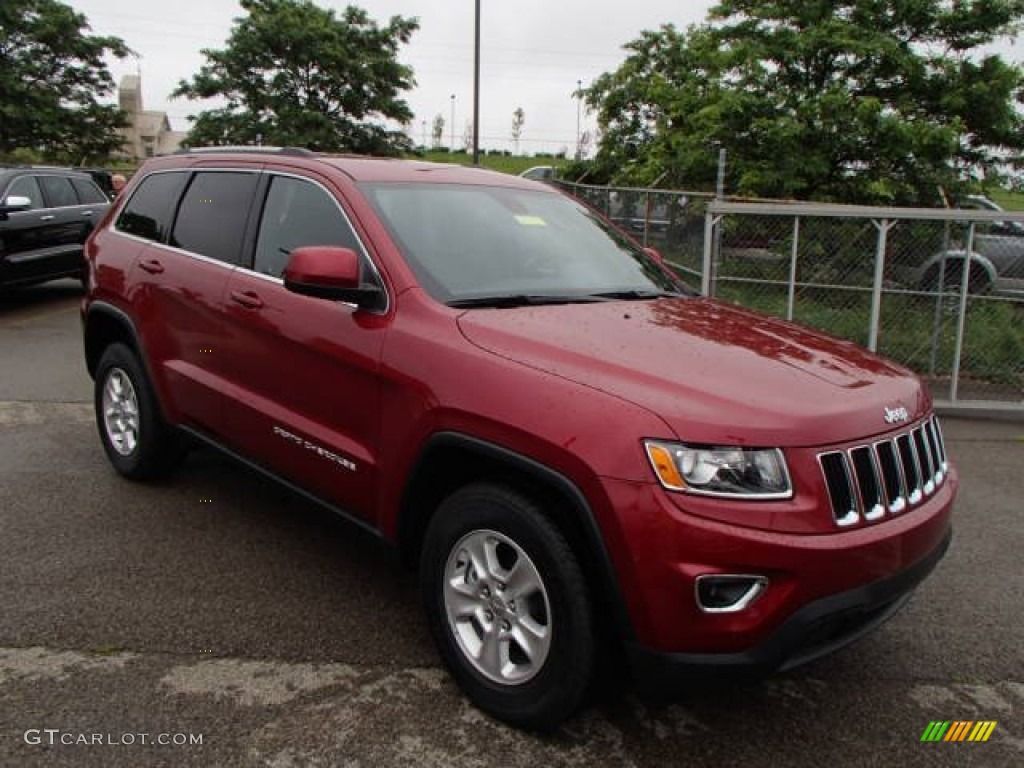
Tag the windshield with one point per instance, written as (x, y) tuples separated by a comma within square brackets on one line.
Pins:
[(470, 244)]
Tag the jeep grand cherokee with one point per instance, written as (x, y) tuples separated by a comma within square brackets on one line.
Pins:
[(571, 444)]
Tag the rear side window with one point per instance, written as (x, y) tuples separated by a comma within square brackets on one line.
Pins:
[(58, 191), (211, 219), (149, 212), (27, 186), (298, 213), (88, 192)]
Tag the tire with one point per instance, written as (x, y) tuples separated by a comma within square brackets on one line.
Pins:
[(978, 282), (134, 436), (525, 591)]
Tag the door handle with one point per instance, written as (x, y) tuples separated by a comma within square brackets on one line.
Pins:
[(47, 218), (247, 299), (152, 266), (87, 213)]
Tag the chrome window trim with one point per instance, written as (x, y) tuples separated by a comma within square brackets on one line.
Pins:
[(35, 175), (363, 251), (263, 171)]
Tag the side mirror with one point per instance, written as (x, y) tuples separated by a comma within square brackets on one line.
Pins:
[(329, 272), (15, 203)]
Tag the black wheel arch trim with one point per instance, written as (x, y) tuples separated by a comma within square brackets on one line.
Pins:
[(622, 625), (121, 317)]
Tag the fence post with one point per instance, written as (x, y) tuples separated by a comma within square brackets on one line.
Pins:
[(961, 321), (647, 214), (710, 223), (791, 300), (940, 288), (883, 226)]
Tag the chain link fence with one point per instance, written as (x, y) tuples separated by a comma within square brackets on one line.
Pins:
[(890, 279)]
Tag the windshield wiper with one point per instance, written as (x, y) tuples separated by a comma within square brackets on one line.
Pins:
[(522, 300), (638, 295)]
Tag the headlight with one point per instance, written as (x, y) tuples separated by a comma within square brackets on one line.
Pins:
[(756, 473)]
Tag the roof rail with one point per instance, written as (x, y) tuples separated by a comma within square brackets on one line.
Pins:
[(296, 151)]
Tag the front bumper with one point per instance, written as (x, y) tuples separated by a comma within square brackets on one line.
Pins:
[(824, 590), (815, 630)]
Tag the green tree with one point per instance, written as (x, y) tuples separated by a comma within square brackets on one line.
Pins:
[(847, 100), (52, 74), (295, 74)]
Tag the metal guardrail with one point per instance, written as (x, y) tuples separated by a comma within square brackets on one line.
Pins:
[(896, 280)]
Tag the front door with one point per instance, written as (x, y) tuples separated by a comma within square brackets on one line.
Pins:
[(305, 369)]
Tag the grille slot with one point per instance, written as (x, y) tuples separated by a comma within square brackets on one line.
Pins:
[(866, 471), (866, 481), (840, 487)]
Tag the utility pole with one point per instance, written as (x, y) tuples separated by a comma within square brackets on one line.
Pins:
[(451, 147), (424, 134), (476, 89), (579, 110)]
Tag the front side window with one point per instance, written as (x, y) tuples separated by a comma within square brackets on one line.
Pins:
[(473, 242), (213, 212), (27, 186), (298, 213), (58, 191), (150, 210)]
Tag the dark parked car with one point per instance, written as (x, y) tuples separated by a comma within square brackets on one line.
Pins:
[(573, 447), (45, 216)]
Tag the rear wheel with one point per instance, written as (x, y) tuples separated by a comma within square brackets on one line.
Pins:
[(508, 606), (134, 436), (977, 279)]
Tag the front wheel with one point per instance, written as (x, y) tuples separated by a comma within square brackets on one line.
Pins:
[(508, 606)]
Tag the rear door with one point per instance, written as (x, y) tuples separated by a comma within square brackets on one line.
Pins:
[(180, 284), (66, 228), (305, 371)]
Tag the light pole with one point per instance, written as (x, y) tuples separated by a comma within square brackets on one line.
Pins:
[(579, 110), (424, 134), (452, 147)]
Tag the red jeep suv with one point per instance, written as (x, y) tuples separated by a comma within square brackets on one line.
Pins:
[(571, 445)]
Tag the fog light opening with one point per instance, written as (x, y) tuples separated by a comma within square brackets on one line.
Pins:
[(727, 592)]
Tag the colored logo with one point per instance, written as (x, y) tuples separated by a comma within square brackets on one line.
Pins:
[(958, 730)]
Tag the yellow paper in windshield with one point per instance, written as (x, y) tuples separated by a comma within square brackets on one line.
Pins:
[(531, 221)]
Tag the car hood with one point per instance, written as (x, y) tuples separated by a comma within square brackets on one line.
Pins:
[(714, 373)]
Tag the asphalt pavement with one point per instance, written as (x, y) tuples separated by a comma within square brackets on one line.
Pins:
[(242, 626)]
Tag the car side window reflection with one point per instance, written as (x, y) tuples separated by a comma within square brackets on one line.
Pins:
[(58, 191), (298, 213), (149, 211), (211, 218), (26, 186)]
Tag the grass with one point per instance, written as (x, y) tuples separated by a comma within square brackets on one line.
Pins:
[(993, 342), (515, 164), (1011, 201)]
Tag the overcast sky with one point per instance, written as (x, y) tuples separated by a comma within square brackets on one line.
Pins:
[(534, 52)]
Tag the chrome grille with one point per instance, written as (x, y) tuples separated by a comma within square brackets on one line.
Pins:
[(866, 482)]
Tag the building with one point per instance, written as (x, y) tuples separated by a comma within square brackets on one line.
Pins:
[(147, 133)]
